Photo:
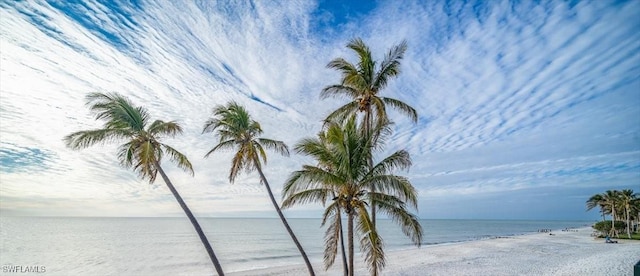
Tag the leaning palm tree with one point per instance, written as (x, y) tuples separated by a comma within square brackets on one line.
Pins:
[(143, 150), (237, 130), (597, 200), (344, 169), (362, 83)]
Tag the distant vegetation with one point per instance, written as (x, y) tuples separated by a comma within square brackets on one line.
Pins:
[(605, 226), (624, 209)]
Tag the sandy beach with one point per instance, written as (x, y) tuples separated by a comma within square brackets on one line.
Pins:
[(563, 253)]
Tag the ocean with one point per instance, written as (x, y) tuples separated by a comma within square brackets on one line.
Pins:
[(170, 246)]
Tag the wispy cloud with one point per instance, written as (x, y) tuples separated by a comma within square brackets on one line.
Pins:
[(14, 159), (512, 97)]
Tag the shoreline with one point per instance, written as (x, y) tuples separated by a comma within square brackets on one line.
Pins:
[(562, 253)]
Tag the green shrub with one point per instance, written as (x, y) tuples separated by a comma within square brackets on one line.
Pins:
[(605, 226)]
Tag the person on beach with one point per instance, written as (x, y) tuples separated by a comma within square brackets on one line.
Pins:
[(607, 239)]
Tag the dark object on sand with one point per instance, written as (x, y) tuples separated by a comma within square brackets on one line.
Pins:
[(608, 240), (636, 269)]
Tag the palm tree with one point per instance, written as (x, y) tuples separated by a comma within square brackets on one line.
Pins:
[(362, 83), (344, 168), (597, 200), (143, 150), (233, 124), (611, 200), (334, 231), (626, 200), (635, 211)]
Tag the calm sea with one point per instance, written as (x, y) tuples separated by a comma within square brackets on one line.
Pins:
[(170, 246)]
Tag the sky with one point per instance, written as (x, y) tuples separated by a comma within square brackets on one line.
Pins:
[(526, 108)]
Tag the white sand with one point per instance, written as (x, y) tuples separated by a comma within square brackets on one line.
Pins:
[(564, 253)]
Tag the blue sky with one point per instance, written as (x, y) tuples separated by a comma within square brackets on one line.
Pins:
[(526, 108)]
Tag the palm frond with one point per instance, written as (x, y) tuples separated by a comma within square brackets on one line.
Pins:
[(126, 153), (117, 111), (159, 127), (307, 196), (251, 155), (394, 185), (257, 150), (398, 160), (332, 235), (228, 144), (343, 66), (255, 129), (343, 112), (310, 147), (316, 148), (310, 177), (211, 125), (390, 66), (224, 134), (366, 66), (101, 104), (277, 146), (594, 201), (358, 45), (123, 113), (146, 155), (381, 131), (379, 110), (408, 222), (330, 211), (371, 244), (237, 164), (402, 107), (178, 158), (339, 90), (290, 185), (86, 138)]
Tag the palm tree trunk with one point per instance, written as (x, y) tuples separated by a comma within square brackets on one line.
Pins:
[(193, 220), (628, 221), (350, 242), (373, 207), (284, 221), (345, 267), (613, 221), (367, 125)]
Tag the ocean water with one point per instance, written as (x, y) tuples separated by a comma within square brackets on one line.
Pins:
[(170, 246)]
